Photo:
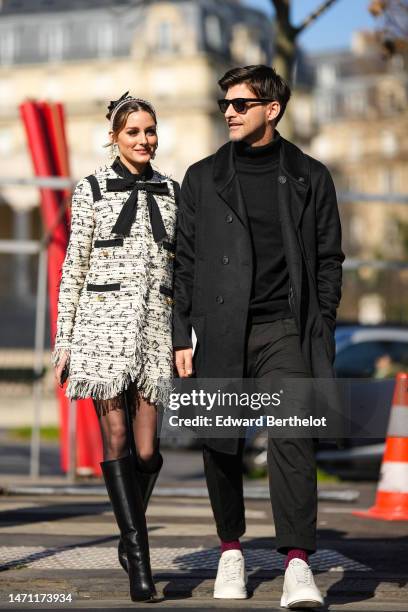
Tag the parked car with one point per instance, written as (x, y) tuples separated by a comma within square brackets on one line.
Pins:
[(376, 353)]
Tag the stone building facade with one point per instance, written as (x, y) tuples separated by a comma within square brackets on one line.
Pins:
[(361, 120), (86, 53)]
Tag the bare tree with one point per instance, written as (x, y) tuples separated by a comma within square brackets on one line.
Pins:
[(286, 45), (392, 16), (287, 34)]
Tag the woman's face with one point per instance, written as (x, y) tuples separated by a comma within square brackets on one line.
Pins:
[(137, 140)]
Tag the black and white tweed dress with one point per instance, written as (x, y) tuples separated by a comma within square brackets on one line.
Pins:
[(115, 305)]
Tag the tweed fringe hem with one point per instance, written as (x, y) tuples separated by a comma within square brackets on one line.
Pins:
[(154, 392)]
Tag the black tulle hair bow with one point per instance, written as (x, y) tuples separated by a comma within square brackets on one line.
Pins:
[(113, 103)]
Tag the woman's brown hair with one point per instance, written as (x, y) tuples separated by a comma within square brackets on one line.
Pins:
[(120, 118)]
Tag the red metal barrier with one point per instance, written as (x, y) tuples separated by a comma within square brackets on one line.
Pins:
[(45, 130)]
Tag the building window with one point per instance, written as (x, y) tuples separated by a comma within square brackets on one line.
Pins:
[(245, 47), (326, 108), (213, 32), (165, 37), (7, 47), (326, 75), (52, 43), (55, 42), (355, 102), (104, 40), (392, 99), (389, 144), (387, 181)]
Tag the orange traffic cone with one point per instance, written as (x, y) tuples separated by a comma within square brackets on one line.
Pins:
[(391, 502)]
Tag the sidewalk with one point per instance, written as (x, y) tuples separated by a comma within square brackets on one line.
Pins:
[(67, 544)]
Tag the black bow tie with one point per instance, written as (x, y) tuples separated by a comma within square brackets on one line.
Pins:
[(136, 183)]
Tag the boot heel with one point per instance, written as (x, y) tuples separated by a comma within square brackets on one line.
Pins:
[(127, 504)]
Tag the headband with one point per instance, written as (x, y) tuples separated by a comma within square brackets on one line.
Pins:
[(115, 105)]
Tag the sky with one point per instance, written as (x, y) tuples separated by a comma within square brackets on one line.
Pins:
[(333, 29)]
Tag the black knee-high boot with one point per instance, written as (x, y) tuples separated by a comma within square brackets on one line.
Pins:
[(127, 503), (146, 480)]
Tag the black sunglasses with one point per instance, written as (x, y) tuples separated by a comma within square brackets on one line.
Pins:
[(240, 104)]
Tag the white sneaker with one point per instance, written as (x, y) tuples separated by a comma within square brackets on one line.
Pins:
[(299, 588), (231, 576)]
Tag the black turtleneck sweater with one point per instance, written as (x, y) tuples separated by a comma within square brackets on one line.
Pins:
[(257, 170)]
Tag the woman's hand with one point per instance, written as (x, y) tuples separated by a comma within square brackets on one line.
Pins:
[(60, 367)]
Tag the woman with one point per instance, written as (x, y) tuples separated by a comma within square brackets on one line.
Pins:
[(114, 318)]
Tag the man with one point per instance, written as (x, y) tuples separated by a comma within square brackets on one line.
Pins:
[(258, 277)]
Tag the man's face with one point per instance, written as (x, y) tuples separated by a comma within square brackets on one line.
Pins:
[(254, 124)]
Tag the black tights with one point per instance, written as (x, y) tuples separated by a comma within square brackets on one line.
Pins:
[(137, 431)]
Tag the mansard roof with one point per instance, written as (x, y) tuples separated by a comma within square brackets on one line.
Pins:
[(9, 7), (37, 31)]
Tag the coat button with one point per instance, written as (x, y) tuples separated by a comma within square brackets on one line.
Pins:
[(228, 218), (105, 253), (219, 299), (282, 179), (169, 301), (100, 298), (171, 255), (225, 260)]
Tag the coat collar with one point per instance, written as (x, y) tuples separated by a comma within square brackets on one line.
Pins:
[(116, 170), (293, 177), (124, 172), (226, 181)]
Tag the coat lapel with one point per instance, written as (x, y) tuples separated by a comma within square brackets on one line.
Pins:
[(293, 180), (226, 182)]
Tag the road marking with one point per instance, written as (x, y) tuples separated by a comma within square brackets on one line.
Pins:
[(91, 528), (201, 511), (198, 529), (165, 558), (338, 510)]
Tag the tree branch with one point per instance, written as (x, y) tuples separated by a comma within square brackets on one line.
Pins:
[(313, 16), (282, 10)]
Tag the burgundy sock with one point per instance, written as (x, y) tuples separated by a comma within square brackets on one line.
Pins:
[(233, 545), (296, 553)]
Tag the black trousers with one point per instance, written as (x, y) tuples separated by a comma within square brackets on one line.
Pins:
[(273, 351)]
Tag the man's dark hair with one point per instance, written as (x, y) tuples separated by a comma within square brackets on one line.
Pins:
[(262, 80)]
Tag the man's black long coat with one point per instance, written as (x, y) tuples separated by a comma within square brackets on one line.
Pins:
[(213, 266)]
